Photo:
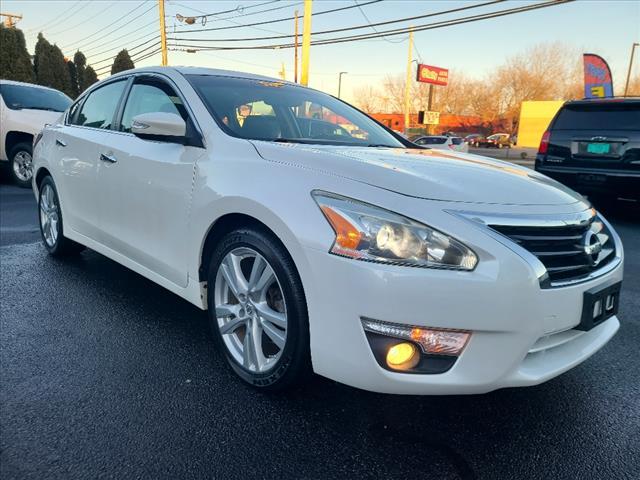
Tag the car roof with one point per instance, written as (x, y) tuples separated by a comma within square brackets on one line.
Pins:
[(591, 101), (185, 70), (25, 84)]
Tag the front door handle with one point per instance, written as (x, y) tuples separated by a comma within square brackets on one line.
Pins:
[(108, 158), (62, 143)]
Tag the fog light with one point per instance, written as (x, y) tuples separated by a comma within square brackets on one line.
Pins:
[(403, 356)]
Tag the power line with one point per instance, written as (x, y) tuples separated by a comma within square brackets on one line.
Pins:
[(95, 15), (266, 22), (239, 9), (399, 31), (134, 58), (61, 15), (350, 28), (130, 50), (98, 32), (119, 39), (372, 27)]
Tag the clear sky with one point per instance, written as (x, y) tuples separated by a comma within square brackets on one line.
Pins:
[(606, 27)]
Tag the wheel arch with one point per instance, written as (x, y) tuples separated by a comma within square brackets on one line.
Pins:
[(40, 174), (15, 137)]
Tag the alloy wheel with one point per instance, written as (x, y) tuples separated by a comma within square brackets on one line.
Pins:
[(22, 166), (49, 215), (250, 309)]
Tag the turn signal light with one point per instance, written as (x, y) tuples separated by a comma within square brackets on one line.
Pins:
[(347, 236), (403, 356), (435, 341)]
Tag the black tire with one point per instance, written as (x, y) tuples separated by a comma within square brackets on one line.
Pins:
[(19, 150), (294, 364), (62, 246)]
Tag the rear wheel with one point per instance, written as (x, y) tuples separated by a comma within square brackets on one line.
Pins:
[(50, 216), (257, 310), (21, 164)]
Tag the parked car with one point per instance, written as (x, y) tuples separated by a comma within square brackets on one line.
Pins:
[(497, 140), (474, 139), (593, 146), (24, 110), (442, 142), (368, 261)]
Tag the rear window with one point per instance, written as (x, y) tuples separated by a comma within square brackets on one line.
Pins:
[(611, 116), (17, 97), (432, 141)]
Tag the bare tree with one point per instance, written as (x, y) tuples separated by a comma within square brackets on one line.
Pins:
[(367, 99)]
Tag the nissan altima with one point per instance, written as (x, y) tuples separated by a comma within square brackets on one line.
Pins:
[(343, 250)]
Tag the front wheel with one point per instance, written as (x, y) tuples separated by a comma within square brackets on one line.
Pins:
[(21, 164), (50, 216), (258, 311)]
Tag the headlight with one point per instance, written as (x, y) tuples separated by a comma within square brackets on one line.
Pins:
[(365, 232)]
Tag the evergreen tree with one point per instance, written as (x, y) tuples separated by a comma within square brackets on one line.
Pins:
[(81, 64), (90, 77), (15, 63), (51, 67), (122, 62), (73, 77)]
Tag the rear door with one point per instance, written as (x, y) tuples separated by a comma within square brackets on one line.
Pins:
[(147, 185), (88, 124), (603, 135)]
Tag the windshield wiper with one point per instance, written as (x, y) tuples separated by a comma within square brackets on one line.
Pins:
[(48, 109), (382, 145)]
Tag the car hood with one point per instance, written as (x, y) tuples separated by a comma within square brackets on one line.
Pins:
[(36, 119), (429, 174)]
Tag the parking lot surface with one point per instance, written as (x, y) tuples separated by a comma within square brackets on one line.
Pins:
[(107, 375)]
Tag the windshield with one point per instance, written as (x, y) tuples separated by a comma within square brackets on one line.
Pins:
[(282, 112), (17, 97)]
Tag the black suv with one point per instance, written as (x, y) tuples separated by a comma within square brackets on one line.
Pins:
[(593, 146)]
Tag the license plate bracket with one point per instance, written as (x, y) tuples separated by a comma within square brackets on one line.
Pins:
[(598, 305)]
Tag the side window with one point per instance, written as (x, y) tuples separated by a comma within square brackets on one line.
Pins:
[(148, 96), (99, 109)]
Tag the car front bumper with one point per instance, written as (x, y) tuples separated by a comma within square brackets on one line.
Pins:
[(521, 334)]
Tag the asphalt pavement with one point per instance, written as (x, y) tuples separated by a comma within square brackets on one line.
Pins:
[(104, 374)]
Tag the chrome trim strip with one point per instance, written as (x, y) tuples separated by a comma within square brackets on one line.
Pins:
[(483, 220), (578, 219)]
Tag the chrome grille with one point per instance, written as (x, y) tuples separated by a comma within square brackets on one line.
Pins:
[(568, 252)]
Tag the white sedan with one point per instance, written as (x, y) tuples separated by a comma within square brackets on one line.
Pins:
[(379, 265), (443, 142)]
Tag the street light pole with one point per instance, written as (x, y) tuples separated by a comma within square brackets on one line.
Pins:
[(626, 85), (340, 82)]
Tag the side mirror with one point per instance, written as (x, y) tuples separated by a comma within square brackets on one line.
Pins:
[(160, 126)]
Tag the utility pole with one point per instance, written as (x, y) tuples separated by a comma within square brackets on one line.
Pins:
[(306, 42), (407, 87), (295, 50), (340, 82), (10, 19), (282, 72), (163, 33), (633, 49)]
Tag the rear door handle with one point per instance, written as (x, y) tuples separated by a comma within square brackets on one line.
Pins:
[(62, 143), (108, 158)]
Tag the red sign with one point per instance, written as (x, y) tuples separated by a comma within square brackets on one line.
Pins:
[(431, 74)]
